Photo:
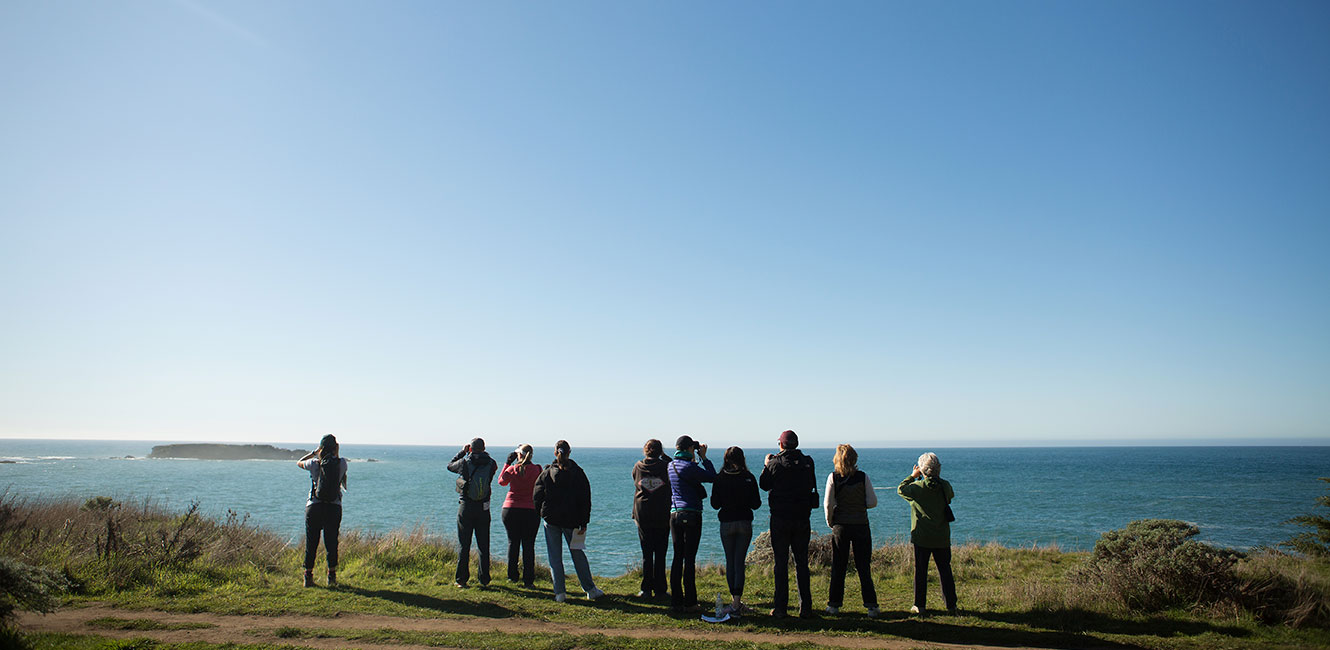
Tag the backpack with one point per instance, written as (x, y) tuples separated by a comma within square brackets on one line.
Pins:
[(472, 490), (327, 481)]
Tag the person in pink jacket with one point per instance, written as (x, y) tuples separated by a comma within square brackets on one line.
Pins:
[(519, 512)]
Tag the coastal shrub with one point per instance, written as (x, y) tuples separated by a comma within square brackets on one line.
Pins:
[(1315, 542), (23, 586), (1154, 563), (106, 545), (819, 551), (1280, 588)]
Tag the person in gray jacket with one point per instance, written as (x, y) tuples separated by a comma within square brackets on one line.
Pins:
[(475, 469)]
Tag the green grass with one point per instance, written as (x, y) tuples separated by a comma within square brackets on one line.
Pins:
[(1008, 596), (116, 623)]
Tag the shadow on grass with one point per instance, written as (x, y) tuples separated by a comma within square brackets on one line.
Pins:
[(423, 601), (1079, 620), (934, 630)]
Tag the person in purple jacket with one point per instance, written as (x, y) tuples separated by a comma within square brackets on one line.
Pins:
[(686, 498)]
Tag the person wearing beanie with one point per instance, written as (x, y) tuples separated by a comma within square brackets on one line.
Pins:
[(790, 478), (323, 509), (476, 470), (686, 498)]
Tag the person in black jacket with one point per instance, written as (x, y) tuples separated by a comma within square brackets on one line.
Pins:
[(651, 511), (789, 477), (477, 469), (735, 497), (563, 499)]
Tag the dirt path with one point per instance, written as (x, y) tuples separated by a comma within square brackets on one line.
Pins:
[(254, 629)]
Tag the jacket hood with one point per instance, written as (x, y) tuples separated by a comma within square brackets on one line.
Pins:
[(649, 463)]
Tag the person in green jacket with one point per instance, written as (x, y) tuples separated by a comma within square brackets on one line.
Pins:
[(930, 532)]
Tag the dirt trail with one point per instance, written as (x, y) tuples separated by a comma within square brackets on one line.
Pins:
[(255, 629)]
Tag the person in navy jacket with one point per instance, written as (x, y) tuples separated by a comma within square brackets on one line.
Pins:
[(687, 496)]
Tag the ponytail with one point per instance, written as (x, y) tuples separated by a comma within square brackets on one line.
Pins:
[(561, 452)]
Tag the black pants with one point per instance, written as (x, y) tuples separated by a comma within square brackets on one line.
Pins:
[(791, 535), (686, 529), (325, 518), (473, 517), (942, 556), (860, 537), (521, 524), (654, 543)]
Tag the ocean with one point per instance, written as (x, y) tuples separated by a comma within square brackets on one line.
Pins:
[(1238, 496)]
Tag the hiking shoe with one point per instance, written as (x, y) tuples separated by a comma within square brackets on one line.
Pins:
[(309, 578), (332, 578), (778, 613), (807, 613), (558, 598), (873, 612), (460, 585), (832, 609), (594, 593), (914, 609), (529, 585)]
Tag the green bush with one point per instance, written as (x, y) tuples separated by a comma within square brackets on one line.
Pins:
[(1154, 563), (23, 586), (1316, 542)]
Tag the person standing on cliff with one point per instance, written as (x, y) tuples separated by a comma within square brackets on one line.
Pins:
[(790, 479), (476, 470), (323, 509)]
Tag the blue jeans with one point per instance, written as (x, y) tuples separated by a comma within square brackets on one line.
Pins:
[(735, 536), (554, 538)]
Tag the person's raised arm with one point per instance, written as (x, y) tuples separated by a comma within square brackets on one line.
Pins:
[(765, 481), (907, 489), (301, 463), (706, 471), (829, 498), (754, 496), (458, 461)]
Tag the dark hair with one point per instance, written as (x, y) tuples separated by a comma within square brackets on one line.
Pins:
[(734, 460), (328, 447), (653, 449), (685, 443), (561, 452)]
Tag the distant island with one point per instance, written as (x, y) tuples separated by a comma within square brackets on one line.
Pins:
[(226, 452)]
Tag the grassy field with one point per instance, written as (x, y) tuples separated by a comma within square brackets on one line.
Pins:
[(134, 557)]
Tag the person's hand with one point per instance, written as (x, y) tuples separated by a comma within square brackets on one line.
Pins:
[(702, 452), (466, 449), (512, 456), (581, 531), (917, 473), (768, 460)]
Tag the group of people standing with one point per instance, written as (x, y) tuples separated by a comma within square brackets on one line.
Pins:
[(668, 507)]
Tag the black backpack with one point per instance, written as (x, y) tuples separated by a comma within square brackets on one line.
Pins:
[(328, 480)]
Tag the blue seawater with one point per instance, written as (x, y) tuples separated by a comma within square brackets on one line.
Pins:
[(1067, 496)]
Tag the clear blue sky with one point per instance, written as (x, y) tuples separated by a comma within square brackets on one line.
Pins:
[(887, 223)]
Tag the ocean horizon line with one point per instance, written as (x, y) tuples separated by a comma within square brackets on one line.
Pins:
[(1091, 444)]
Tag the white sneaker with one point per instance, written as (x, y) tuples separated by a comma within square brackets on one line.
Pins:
[(873, 612), (833, 610), (914, 609), (594, 593), (558, 598)]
